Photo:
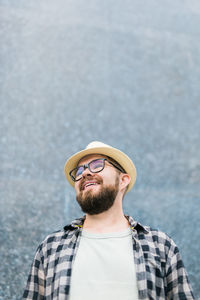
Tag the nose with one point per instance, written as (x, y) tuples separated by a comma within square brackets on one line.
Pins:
[(86, 172)]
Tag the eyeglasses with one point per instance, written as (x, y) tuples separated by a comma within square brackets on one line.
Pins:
[(95, 166)]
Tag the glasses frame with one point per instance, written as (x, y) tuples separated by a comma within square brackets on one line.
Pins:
[(87, 166)]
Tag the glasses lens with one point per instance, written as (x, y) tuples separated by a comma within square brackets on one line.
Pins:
[(77, 173), (96, 165)]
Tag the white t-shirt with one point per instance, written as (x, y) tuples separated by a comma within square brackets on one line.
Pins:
[(104, 267)]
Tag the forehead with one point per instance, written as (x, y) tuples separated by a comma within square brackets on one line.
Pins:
[(90, 157)]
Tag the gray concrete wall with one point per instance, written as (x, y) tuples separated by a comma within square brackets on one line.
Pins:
[(122, 72)]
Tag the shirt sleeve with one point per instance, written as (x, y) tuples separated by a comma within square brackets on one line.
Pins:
[(178, 286), (36, 280)]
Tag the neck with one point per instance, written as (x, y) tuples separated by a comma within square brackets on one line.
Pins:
[(112, 220)]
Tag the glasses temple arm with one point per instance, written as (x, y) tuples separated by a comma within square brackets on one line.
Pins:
[(120, 169)]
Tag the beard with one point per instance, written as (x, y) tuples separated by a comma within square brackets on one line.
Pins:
[(94, 203)]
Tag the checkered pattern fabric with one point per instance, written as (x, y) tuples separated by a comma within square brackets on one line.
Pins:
[(160, 271)]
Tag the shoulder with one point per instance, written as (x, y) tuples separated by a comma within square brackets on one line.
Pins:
[(52, 241), (61, 238), (160, 237), (153, 240), (158, 242), (53, 237)]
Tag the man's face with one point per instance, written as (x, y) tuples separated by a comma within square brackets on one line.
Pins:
[(96, 192)]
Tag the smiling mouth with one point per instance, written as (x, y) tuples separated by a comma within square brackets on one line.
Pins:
[(85, 186)]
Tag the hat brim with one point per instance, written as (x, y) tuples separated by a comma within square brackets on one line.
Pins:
[(114, 153)]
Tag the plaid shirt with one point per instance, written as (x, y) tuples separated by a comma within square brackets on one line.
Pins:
[(160, 271)]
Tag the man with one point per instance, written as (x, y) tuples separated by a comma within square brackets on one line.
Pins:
[(106, 255)]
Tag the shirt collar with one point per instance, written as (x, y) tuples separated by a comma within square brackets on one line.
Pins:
[(136, 225), (78, 224)]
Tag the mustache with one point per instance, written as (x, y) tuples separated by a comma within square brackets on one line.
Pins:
[(95, 178)]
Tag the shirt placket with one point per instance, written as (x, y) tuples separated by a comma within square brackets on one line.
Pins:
[(74, 246), (139, 267)]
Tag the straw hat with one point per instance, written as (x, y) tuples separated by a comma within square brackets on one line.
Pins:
[(101, 148)]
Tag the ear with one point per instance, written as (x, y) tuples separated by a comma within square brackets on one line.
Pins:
[(124, 180)]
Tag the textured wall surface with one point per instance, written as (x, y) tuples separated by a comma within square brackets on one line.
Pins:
[(122, 72)]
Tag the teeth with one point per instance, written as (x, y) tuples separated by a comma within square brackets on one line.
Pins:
[(88, 184)]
